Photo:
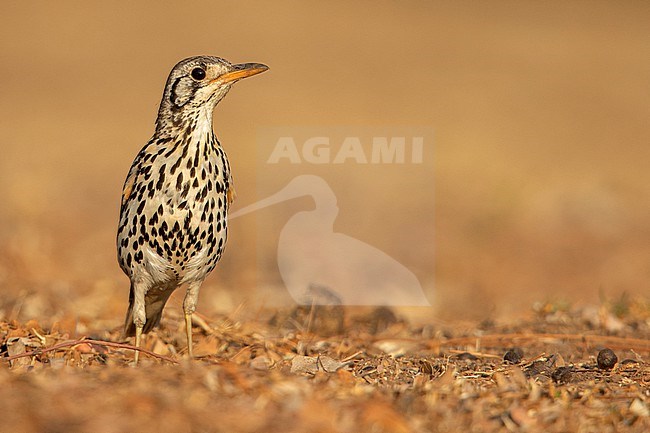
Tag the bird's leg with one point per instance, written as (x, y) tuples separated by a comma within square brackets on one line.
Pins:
[(189, 306), (139, 314), (138, 337), (188, 333)]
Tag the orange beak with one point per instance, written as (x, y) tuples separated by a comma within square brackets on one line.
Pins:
[(240, 71)]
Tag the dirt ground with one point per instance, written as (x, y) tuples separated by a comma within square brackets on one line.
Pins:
[(527, 222), (560, 370)]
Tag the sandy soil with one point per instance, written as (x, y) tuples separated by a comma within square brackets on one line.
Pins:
[(297, 371)]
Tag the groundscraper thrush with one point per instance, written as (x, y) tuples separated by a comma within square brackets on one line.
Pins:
[(173, 217)]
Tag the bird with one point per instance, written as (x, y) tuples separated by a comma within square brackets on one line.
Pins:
[(173, 220)]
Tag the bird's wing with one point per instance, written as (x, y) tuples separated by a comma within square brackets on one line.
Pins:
[(128, 184), (230, 192)]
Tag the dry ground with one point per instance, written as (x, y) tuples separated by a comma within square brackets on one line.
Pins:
[(298, 372)]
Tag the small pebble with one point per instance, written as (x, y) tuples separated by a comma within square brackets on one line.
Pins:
[(606, 359), (562, 375), (466, 356), (513, 356), (538, 367)]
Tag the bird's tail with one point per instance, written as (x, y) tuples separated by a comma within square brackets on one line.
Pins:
[(154, 302)]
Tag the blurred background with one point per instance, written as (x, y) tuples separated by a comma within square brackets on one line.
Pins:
[(540, 111)]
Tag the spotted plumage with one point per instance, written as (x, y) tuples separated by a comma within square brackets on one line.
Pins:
[(173, 216)]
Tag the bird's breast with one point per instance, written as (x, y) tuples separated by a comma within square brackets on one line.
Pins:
[(176, 213)]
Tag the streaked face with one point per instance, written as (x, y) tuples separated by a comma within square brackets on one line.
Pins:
[(205, 80)]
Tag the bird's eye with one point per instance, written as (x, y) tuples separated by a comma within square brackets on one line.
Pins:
[(198, 74)]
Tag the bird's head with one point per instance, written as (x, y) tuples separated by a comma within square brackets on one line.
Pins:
[(199, 83)]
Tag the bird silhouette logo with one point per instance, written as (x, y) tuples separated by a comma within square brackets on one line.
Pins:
[(311, 256)]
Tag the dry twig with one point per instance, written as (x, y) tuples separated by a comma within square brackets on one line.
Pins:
[(73, 343)]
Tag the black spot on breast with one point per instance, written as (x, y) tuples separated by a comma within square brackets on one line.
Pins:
[(175, 166), (161, 178), (146, 172), (200, 196), (186, 189), (170, 151), (185, 148)]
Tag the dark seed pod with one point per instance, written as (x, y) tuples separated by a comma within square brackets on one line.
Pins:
[(513, 356), (606, 359)]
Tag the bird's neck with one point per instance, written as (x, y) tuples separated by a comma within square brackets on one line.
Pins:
[(193, 126)]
